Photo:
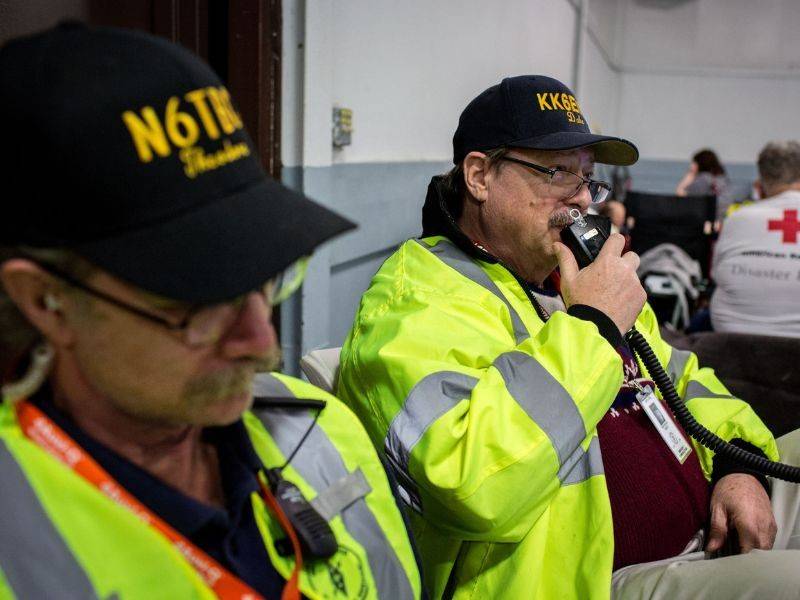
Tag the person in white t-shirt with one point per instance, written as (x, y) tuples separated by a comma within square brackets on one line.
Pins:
[(757, 259)]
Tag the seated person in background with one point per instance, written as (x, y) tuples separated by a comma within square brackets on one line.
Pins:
[(705, 177), (614, 206), (131, 464), (756, 264), (507, 408), (615, 211)]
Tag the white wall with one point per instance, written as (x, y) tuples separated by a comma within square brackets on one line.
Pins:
[(604, 16), (718, 73), (407, 69), (600, 79), (600, 92), (741, 34), (672, 116)]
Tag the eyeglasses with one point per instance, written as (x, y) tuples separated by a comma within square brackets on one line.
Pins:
[(566, 184), (201, 325)]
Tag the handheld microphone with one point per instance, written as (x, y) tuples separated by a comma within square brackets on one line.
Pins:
[(585, 236)]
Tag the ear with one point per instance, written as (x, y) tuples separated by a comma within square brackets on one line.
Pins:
[(476, 172), (38, 297), (758, 187)]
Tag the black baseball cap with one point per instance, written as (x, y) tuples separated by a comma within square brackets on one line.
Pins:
[(128, 150), (533, 111)]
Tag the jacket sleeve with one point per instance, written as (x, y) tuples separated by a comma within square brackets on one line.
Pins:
[(481, 431), (706, 397)]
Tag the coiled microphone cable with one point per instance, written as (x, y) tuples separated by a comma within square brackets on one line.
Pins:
[(707, 438)]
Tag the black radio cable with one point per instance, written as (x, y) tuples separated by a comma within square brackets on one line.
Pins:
[(707, 438)]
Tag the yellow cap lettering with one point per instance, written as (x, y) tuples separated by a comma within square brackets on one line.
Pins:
[(232, 114), (198, 99), (181, 127), (543, 105), (572, 104), (555, 102), (223, 116), (147, 135)]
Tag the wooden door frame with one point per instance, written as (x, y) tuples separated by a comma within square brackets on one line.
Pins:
[(254, 73)]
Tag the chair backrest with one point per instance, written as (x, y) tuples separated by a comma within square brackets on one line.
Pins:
[(758, 369), (679, 220), (322, 367)]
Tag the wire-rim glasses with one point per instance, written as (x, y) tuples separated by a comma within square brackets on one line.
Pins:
[(570, 183), (201, 325)]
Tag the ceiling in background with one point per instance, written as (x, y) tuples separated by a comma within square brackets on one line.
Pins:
[(739, 36)]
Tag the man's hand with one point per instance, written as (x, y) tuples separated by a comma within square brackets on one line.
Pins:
[(740, 502), (609, 284)]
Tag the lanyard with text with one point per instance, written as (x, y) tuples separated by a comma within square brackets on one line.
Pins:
[(40, 429)]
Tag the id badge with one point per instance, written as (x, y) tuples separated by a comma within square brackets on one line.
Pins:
[(669, 432)]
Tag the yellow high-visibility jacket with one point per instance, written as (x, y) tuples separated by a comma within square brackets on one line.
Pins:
[(488, 416), (60, 537)]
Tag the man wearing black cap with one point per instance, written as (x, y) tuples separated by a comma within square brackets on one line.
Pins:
[(505, 398), (141, 251)]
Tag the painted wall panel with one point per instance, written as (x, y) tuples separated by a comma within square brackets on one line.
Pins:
[(662, 176), (385, 199), (739, 34), (718, 73), (599, 95), (407, 69), (672, 116), (604, 18)]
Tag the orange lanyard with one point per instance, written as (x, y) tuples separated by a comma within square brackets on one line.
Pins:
[(44, 432)]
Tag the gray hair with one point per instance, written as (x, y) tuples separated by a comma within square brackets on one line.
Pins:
[(779, 163), (17, 335), (455, 187)]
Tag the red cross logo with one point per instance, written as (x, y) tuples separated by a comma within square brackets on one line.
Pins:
[(790, 226)]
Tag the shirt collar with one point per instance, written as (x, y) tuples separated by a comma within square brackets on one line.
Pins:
[(238, 464)]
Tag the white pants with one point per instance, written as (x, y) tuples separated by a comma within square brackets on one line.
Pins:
[(759, 574)]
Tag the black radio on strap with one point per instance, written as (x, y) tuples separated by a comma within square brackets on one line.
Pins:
[(316, 537)]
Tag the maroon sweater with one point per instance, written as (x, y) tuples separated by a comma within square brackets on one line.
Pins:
[(657, 504)]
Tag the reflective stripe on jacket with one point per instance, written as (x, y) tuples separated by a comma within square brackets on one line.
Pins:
[(62, 538), (488, 417)]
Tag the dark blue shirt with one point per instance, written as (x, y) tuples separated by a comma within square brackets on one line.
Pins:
[(230, 535)]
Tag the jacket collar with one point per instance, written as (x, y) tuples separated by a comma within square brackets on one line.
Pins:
[(437, 219)]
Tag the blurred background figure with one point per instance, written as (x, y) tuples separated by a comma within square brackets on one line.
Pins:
[(614, 207), (614, 210), (757, 257), (706, 176), (621, 182)]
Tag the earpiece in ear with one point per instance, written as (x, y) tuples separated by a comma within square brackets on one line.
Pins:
[(51, 303)]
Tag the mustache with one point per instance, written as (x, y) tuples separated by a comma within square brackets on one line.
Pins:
[(559, 220), (271, 361), (205, 389)]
